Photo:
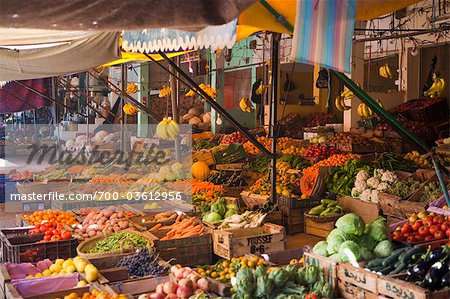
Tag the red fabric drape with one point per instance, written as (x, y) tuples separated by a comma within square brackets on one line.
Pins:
[(15, 98)]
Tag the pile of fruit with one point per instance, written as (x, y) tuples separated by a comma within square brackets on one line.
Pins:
[(61, 267), (55, 216), (294, 162), (236, 137), (346, 137), (143, 263), (95, 294), (106, 221), (182, 283), (53, 232), (420, 161), (224, 270), (267, 143), (118, 208), (219, 211), (335, 160), (293, 150), (287, 185), (320, 152), (423, 226)]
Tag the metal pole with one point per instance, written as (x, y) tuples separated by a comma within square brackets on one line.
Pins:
[(175, 116), (124, 117), (273, 111), (194, 86)]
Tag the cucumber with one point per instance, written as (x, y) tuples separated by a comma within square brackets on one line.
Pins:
[(393, 257), (399, 268), (375, 263), (386, 269), (412, 251), (329, 202)]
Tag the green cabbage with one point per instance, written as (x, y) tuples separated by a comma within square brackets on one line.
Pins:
[(383, 249), (352, 224), (378, 229), (232, 206), (335, 257), (349, 251), (335, 238), (212, 217), (230, 213), (321, 248), (219, 208), (368, 242), (366, 255)]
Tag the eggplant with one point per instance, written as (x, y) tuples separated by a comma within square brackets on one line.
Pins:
[(418, 271), (436, 254), (445, 281), (434, 276)]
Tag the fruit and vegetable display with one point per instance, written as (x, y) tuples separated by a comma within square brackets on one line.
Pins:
[(345, 137), (188, 227), (295, 162), (335, 160), (95, 294), (281, 282), (393, 162), (183, 282), (420, 161), (52, 232), (106, 221), (55, 216), (287, 185), (219, 210), (327, 208), (258, 163), (369, 184), (248, 219), (400, 260), (423, 226), (320, 152), (224, 270), (227, 178), (236, 137), (341, 180), (125, 241), (404, 187), (353, 241), (143, 263)]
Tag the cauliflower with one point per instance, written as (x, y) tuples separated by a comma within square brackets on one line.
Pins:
[(366, 195), (374, 196), (383, 186), (355, 192), (362, 175), (378, 173), (389, 177), (373, 182), (361, 186)]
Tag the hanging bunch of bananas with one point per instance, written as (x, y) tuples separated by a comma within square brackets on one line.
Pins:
[(437, 89), (164, 92), (246, 105), (365, 112), (131, 88), (206, 88), (260, 89), (385, 71), (130, 109), (167, 129), (340, 104)]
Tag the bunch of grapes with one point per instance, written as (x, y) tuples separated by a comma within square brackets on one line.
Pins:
[(143, 263)]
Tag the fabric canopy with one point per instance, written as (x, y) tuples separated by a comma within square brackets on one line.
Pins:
[(116, 15), (77, 56), (16, 98), (168, 40), (22, 37)]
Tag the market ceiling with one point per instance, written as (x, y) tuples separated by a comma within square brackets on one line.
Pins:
[(111, 15)]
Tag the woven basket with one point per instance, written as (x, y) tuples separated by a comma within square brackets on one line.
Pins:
[(87, 244), (322, 219)]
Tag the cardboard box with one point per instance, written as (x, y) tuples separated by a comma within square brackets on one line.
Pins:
[(367, 210)]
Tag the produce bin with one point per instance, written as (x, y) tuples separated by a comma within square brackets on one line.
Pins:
[(358, 277), (237, 242), (319, 226), (294, 219), (139, 286), (328, 266)]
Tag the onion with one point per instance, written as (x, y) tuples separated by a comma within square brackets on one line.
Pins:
[(170, 287), (187, 271), (183, 292), (159, 289), (194, 276), (186, 283), (203, 284)]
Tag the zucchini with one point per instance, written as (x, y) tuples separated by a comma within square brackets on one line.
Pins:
[(394, 256), (375, 263), (386, 270), (329, 202), (399, 268), (412, 251)]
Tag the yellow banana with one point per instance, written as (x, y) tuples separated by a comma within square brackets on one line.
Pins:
[(164, 92), (337, 103)]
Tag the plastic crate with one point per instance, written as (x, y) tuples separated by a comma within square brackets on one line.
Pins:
[(436, 109), (19, 247)]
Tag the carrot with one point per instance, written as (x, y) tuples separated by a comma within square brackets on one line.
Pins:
[(157, 226), (178, 219)]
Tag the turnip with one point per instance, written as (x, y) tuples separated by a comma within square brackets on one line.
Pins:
[(170, 287)]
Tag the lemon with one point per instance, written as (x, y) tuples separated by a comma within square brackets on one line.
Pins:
[(55, 268), (70, 269), (46, 272), (59, 262), (38, 275), (67, 263), (29, 276), (81, 283)]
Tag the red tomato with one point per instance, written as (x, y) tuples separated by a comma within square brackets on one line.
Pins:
[(55, 238), (66, 235), (447, 232), (406, 228), (427, 221), (410, 239), (433, 229), (43, 229), (47, 238), (429, 238), (417, 225), (439, 234), (397, 235), (438, 219), (418, 238), (445, 225), (423, 231)]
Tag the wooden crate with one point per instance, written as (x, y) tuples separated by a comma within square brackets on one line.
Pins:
[(191, 251), (396, 288), (275, 217), (350, 291), (321, 229), (328, 266), (4, 278), (240, 241), (252, 200), (294, 220), (230, 166), (138, 286), (358, 277)]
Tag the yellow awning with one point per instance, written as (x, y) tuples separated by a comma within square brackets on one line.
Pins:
[(258, 18), (130, 57)]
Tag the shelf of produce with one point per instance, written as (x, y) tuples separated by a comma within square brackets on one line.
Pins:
[(328, 266), (396, 288), (190, 251), (237, 242)]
